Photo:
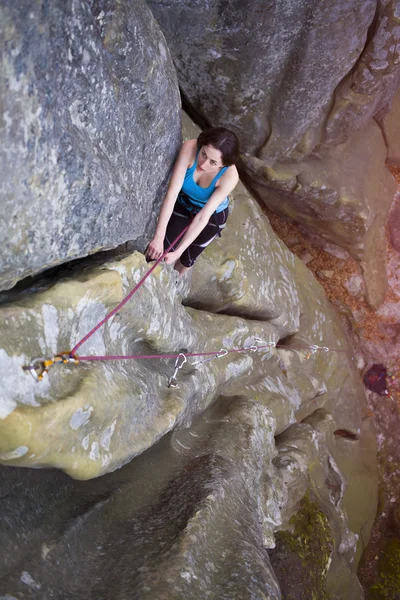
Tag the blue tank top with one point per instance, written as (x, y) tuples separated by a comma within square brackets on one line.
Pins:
[(199, 195)]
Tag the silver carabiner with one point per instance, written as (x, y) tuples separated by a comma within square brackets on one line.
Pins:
[(36, 368), (314, 348), (172, 383)]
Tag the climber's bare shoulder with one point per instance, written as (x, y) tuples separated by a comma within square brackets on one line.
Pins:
[(229, 179)]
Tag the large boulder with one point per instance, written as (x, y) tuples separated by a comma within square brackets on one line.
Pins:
[(193, 517), (91, 125), (222, 464), (268, 70), (300, 83), (260, 290)]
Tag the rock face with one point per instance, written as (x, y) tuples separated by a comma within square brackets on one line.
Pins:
[(223, 462), (389, 123), (91, 125), (300, 85), (190, 518), (234, 60)]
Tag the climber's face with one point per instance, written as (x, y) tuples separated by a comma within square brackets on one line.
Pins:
[(209, 160)]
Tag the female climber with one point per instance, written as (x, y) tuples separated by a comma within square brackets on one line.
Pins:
[(203, 176)]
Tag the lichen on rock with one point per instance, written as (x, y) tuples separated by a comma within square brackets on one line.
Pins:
[(302, 555)]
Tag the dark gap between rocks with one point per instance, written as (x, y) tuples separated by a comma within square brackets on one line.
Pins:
[(68, 270), (345, 433)]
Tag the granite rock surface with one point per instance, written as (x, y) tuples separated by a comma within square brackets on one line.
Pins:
[(91, 125), (192, 517), (222, 465), (301, 84)]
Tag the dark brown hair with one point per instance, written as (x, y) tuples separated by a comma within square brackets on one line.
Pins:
[(223, 140)]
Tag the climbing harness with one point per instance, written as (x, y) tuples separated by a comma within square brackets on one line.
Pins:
[(39, 367)]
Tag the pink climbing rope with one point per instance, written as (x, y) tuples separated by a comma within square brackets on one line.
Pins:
[(124, 301), (39, 367), (144, 356), (194, 354)]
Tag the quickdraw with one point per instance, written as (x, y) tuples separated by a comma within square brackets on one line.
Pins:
[(314, 348), (200, 361), (39, 367), (180, 361)]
